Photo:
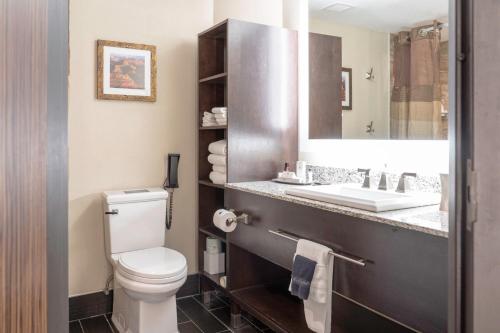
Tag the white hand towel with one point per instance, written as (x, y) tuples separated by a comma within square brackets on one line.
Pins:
[(218, 147), (219, 168), (219, 109), (217, 159), (217, 177), (208, 114), (221, 116), (221, 122), (318, 306), (208, 124)]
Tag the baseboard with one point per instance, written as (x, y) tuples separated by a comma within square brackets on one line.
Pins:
[(94, 304)]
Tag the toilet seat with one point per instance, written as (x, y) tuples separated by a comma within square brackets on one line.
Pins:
[(157, 265)]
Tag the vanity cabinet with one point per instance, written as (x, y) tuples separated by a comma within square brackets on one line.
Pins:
[(405, 277)]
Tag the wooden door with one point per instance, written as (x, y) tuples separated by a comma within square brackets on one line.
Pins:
[(32, 165)]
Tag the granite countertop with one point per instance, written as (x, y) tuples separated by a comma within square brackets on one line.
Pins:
[(426, 219)]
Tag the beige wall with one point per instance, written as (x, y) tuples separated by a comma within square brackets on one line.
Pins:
[(268, 12), (361, 50), (115, 144)]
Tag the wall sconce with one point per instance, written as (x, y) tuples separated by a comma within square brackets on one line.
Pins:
[(369, 75)]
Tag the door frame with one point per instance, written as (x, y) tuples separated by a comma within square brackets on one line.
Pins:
[(57, 166), (461, 165)]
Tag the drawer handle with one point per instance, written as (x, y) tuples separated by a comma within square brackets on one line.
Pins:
[(113, 212), (359, 262)]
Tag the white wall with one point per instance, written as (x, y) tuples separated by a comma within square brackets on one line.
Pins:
[(363, 49), (114, 144), (268, 12)]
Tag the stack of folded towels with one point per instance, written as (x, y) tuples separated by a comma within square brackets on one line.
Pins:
[(208, 119), (218, 117), (217, 157)]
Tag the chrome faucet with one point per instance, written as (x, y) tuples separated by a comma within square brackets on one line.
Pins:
[(402, 187), (366, 181), (382, 185)]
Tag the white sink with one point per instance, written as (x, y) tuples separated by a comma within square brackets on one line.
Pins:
[(352, 195)]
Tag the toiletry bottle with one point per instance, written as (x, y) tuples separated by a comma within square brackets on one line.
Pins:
[(301, 170)]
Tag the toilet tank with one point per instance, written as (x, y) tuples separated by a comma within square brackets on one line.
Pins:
[(134, 219)]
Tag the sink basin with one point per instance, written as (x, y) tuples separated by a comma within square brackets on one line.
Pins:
[(352, 195)]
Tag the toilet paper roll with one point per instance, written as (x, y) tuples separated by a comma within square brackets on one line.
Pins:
[(221, 218)]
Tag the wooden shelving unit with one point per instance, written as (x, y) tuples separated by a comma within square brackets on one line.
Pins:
[(212, 92), (215, 79), (212, 128), (210, 184), (235, 71), (213, 231)]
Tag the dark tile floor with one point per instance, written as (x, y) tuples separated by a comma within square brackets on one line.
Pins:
[(193, 317)]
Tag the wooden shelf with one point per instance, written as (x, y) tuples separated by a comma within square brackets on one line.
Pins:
[(213, 231), (210, 184), (213, 128), (215, 79), (214, 278), (273, 306)]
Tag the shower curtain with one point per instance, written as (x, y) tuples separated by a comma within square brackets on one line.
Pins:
[(416, 93)]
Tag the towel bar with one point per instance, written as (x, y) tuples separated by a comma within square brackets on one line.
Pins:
[(359, 262)]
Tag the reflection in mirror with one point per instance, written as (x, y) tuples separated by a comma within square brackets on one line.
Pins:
[(378, 69)]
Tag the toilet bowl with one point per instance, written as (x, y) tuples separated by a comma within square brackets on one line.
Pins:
[(147, 274), (146, 282)]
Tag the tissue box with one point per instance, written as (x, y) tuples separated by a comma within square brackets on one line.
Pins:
[(214, 263)]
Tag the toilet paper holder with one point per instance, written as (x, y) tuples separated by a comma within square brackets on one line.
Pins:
[(240, 218)]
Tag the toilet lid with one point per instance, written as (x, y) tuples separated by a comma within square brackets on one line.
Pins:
[(154, 263)]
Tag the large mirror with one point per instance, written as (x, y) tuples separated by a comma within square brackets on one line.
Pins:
[(378, 69)]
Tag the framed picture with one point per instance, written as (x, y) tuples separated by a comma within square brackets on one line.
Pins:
[(346, 94), (126, 71)]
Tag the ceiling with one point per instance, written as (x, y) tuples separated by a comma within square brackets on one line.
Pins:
[(382, 15)]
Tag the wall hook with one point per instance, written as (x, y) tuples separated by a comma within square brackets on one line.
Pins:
[(369, 75)]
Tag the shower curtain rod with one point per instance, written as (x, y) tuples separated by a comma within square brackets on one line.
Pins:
[(439, 26)]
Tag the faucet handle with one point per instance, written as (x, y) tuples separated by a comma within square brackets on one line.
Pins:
[(366, 181), (365, 171), (401, 184)]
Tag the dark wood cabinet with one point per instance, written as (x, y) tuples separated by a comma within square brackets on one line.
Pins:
[(325, 82), (405, 277), (252, 70)]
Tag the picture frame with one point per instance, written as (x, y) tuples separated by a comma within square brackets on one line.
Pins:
[(126, 71), (346, 87)]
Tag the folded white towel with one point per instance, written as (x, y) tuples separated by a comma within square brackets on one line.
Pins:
[(221, 122), (218, 147), (208, 114), (217, 159), (209, 124), (221, 109), (318, 306), (220, 116), (219, 168), (217, 177)]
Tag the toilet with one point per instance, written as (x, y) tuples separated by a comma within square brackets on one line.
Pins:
[(147, 275)]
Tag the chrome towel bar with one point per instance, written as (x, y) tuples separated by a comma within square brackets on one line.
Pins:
[(359, 262)]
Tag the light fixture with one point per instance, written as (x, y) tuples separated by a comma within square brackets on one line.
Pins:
[(338, 7)]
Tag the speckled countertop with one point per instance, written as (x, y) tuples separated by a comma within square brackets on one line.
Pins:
[(424, 219)]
